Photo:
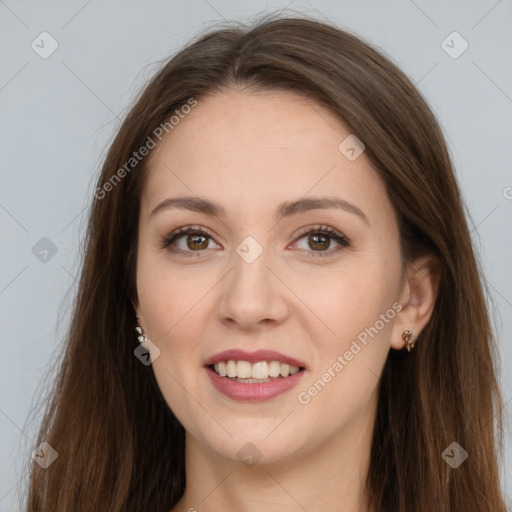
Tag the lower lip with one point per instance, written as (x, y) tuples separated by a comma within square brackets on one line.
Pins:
[(253, 392)]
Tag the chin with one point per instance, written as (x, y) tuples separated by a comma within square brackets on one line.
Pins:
[(267, 442)]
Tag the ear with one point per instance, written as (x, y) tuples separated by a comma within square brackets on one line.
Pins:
[(417, 298)]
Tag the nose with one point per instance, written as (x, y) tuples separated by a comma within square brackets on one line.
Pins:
[(253, 295)]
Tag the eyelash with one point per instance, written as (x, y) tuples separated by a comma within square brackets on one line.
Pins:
[(322, 230)]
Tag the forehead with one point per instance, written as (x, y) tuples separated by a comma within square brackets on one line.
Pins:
[(254, 150)]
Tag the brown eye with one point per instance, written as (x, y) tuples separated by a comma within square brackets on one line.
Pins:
[(188, 241), (323, 241), (319, 242), (197, 242)]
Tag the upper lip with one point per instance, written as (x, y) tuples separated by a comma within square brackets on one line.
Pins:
[(253, 357)]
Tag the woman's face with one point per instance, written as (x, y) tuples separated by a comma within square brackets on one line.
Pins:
[(259, 280)]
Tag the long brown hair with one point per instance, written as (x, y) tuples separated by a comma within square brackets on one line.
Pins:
[(120, 446)]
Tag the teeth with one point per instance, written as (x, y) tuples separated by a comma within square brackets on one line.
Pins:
[(274, 369), (231, 369), (243, 370), (260, 371), (222, 369)]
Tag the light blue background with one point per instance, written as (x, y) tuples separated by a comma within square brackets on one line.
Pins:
[(59, 114)]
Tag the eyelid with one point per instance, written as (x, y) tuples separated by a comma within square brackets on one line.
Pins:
[(332, 233), (317, 229), (166, 241)]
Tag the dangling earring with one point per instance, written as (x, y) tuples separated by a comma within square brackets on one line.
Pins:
[(408, 339), (142, 335)]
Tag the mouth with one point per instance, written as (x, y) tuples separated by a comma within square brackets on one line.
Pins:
[(253, 376), (261, 366), (254, 373)]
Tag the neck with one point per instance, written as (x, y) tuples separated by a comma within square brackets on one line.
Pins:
[(329, 477)]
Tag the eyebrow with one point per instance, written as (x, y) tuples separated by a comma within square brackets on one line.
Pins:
[(286, 209)]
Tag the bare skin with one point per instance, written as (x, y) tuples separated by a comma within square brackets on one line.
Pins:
[(304, 296)]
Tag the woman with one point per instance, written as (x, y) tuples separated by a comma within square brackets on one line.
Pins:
[(280, 306)]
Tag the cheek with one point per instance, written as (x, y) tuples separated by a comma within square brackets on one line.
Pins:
[(357, 305), (350, 298), (171, 307), (175, 305), (166, 293)]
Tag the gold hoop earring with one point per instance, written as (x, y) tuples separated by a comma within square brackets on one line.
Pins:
[(408, 339)]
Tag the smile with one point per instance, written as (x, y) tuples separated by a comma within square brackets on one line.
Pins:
[(259, 371)]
